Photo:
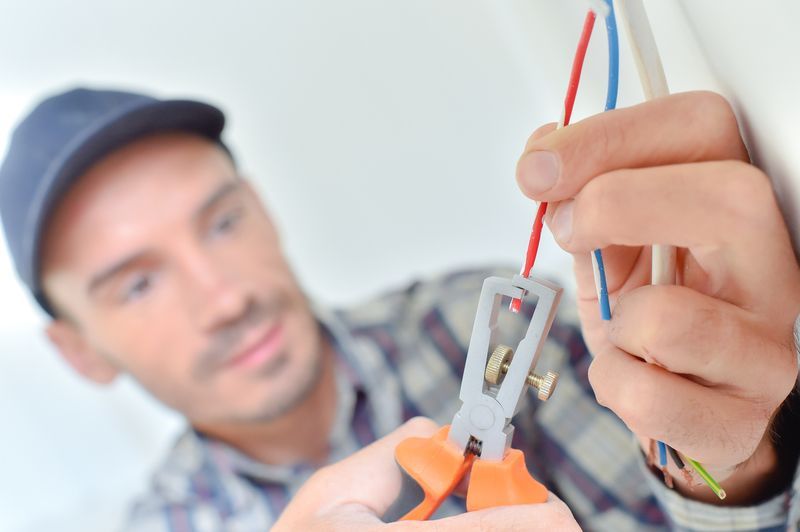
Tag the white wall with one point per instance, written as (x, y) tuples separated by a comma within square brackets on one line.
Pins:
[(383, 135)]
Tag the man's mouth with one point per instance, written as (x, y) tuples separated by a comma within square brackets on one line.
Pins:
[(260, 346)]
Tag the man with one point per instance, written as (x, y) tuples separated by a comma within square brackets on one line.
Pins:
[(128, 222)]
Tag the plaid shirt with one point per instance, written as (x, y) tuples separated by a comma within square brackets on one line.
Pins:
[(402, 355)]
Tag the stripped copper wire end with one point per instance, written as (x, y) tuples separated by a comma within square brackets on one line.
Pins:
[(651, 454), (667, 478), (691, 482)]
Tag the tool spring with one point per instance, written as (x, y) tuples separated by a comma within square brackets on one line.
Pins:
[(474, 446)]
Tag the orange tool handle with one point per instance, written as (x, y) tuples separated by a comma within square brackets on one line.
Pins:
[(432, 468), (503, 483)]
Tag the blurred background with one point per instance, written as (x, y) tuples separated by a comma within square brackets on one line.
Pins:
[(382, 134)]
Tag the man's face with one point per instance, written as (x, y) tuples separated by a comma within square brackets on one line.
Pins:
[(166, 266)]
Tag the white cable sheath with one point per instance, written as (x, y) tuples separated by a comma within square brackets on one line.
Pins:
[(599, 7), (654, 84)]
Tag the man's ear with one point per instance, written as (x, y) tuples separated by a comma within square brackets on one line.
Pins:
[(78, 353)]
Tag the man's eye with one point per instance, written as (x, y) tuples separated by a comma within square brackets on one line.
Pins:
[(226, 223), (139, 286)]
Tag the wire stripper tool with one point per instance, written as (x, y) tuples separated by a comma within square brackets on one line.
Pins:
[(478, 441)]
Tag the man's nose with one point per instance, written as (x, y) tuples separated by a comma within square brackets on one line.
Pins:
[(214, 294)]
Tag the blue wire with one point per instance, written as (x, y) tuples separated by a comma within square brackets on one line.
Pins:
[(605, 307), (611, 103), (613, 58), (662, 454)]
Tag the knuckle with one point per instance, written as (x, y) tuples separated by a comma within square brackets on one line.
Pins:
[(323, 478), (653, 317), (594, 142), (714, 114), (783, 375), (656, 336), (540, 132), (324, 471), (594, 191), (635, 406), (596, 197), (714, 106), (745, 181), (791, 373), (566, 523), (420, 425), (597, 381), (627, 314), (710, 328), (709, 114), (630, 397), (608, 135), (562, 518)]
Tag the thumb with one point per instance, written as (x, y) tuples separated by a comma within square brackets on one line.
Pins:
[(371, 476)]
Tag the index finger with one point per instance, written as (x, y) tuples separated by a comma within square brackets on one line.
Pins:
[(682, 128)]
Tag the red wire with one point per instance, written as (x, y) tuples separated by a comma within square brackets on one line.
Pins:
[(569, 103), (577, 65)]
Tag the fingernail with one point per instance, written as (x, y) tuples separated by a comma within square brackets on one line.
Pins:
[(561, 225), (539, 171)]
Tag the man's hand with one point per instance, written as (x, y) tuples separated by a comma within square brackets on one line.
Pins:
[(352, 495), (704, 365)]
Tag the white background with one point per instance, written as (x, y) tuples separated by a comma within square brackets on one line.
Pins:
[(383, 136)]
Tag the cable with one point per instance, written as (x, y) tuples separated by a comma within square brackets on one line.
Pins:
[(713, 484), (613, 58), (662, 454), (569, 103), (676, 457), (577, 66), (598, 268), (654, 84), (644, 49), (533, 249)]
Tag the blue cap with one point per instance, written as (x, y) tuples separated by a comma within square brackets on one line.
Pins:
[(60, 139)]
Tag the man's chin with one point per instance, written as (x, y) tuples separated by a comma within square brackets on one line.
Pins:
[(287, 389), (274, 367)]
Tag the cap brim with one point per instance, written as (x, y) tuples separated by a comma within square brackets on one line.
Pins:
[(116, 130)]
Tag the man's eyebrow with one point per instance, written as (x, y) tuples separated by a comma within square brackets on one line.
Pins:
[(106, 274), (218, 195)]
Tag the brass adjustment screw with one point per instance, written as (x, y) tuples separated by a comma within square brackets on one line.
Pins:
[(500, 361)]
